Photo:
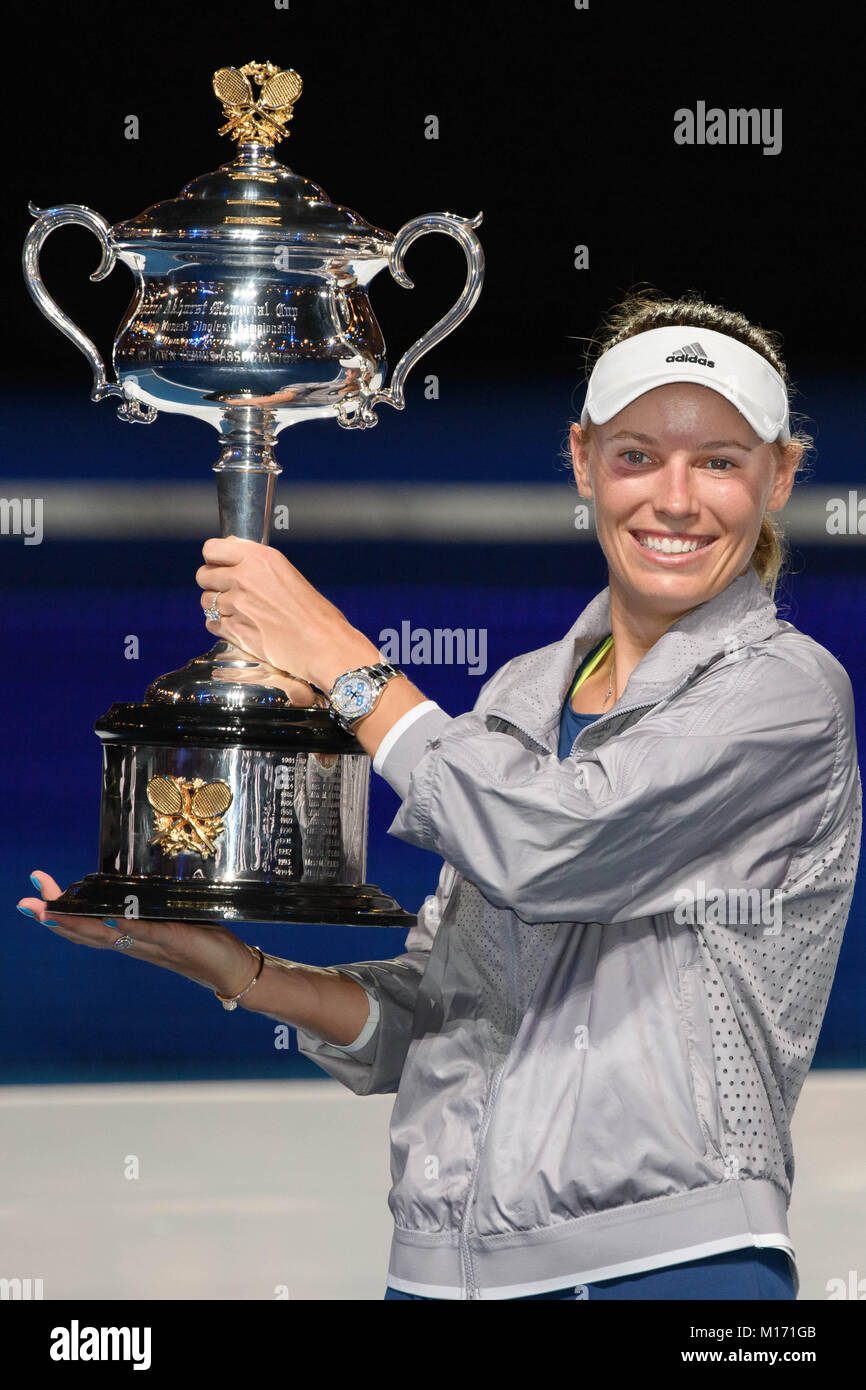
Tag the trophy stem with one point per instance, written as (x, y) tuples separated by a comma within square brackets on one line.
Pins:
[(246, 473)]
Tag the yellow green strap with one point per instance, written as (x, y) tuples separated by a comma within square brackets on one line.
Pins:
[(592, 663)]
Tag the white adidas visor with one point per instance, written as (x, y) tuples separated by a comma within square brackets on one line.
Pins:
[(659, 356)]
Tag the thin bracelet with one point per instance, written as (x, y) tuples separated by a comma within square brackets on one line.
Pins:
[(232, 1003)]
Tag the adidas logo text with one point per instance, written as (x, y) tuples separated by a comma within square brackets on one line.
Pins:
[(692, 352)]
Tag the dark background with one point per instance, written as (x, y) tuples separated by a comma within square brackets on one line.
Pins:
[(558, 124)]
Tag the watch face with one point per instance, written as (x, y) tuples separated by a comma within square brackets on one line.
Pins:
[(353, 695)]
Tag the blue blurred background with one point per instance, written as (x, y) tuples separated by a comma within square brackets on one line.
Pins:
[(73, 1013), (549, 124)]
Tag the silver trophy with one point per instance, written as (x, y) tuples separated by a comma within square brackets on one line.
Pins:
[(221, 799)]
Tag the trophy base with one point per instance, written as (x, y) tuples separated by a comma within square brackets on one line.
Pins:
[(165, 899), (288, 836)]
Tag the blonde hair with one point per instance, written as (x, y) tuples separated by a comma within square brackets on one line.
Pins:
[(646, 308)]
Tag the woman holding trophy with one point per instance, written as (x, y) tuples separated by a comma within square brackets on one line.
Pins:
[(598, 1030)]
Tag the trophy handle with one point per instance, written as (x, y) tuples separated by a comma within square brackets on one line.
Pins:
[(460, 228), (45, 224)]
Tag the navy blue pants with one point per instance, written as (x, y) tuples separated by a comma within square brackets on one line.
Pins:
[(746, 1274)]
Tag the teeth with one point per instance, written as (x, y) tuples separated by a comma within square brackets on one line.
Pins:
[(670, 547)]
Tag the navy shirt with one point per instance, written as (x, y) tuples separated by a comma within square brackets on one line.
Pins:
[(571, 723)]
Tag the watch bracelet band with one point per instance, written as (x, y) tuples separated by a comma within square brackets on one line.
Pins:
[(375, 671)]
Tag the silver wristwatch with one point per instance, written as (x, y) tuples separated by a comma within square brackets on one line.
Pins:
[(354, 694)]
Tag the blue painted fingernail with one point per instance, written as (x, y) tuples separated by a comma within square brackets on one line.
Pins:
[(49, 922), (109, 921), (36, 884), (26, 910)]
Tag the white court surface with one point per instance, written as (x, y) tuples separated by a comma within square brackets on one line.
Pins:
[(249, 1188)]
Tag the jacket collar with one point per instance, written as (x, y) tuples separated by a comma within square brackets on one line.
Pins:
[(532, 687)]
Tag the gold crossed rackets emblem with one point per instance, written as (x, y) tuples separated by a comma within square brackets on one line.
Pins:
[(262, 119), (188, 815)]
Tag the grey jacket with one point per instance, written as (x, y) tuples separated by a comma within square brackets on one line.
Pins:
[(604, 1016)]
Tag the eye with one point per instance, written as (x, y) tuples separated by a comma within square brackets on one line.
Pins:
[(627, 455)]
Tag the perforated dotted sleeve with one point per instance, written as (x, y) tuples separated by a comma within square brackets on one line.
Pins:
[(767, 989)]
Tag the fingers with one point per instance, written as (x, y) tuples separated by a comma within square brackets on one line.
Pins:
[(45, 884), (226, 550), (223, 554), (199, 952), (88, 931), (217, 577), (38, 907), (84, 931), (225, 605)]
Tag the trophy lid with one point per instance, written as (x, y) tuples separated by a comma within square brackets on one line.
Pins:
[(255, 197)]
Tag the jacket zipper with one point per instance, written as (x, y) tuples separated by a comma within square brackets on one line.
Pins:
[(465, 1253), (599, 723), (500, 714), (466, 1265)]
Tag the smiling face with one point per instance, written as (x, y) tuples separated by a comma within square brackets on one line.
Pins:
[(679, 467)]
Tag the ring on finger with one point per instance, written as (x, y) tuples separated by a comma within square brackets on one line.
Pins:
[(124, 942), (213, 612)]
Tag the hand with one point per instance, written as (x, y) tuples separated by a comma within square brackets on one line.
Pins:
[(211, 956), (260, 673), (269, 609)]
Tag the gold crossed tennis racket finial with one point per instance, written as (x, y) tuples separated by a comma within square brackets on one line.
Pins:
[(263, 119), (188, 814)]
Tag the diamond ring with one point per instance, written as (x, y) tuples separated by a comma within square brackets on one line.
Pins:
[(213, 612), (124, 942)]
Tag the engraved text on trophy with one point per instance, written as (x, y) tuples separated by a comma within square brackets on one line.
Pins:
[(226, 324)]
